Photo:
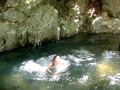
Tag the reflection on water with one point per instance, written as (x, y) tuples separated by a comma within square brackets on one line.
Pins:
[(104, 69), (89, 62)]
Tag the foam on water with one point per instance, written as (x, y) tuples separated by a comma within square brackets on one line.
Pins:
[(83, 79), (82, 56), (114, 80), (63, 66), (111, 54), (31, 66), (38, 70)]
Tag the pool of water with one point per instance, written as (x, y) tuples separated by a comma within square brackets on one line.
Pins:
[(92, 63)]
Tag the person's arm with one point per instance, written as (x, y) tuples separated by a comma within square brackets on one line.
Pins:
[(49, 66)]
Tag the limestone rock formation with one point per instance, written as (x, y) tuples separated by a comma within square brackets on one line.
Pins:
[(25, 22), (10, 37), (42, 25), (104, 24), (112, 7)]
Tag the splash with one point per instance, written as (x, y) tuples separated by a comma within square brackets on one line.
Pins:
[(111, 54), (31, 67), (62, 67), (84, 79), (114, 80), (82, 56), (38, 71)]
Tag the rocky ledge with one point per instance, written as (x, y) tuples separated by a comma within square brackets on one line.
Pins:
[(25, 22)]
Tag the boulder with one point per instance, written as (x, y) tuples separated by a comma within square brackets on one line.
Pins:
[(71, 23), (112, 7), (25, 6), (100, 25), (70, 27), (42, 25), (14, 15), (9, 36)]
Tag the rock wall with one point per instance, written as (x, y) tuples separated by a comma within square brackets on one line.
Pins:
[(35, 21), (112, 7), (109, 19), (105, 25), (25, 22)]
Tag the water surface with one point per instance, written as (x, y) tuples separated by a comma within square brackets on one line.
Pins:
[(92, 64)]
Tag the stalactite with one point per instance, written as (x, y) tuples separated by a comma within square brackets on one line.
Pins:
[(58, 33)]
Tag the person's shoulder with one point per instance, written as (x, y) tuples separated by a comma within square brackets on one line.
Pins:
[(50, 64)]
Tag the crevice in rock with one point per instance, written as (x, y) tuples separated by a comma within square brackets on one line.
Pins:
[(4, 42), (2, 4), (97, 4)]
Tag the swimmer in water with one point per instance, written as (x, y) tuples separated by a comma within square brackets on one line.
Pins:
[(55, 62), (54, 66)]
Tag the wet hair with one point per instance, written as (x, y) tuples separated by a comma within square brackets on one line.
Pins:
[(54, 59)]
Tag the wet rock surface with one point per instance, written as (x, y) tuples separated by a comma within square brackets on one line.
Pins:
[(35, 21), (112, 7)]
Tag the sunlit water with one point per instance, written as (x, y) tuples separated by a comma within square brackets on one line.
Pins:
[(89, 62)]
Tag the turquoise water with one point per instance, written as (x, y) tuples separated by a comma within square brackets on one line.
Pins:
[(93, 63)]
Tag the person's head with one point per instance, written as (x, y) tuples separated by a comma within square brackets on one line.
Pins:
[(56, 60)]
